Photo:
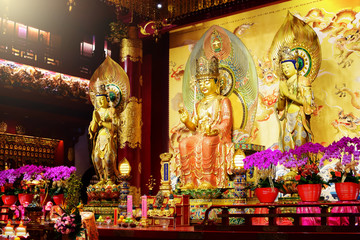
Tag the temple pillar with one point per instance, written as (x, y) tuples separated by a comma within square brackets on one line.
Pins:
[(131, 117)]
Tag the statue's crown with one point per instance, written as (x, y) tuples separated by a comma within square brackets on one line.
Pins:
[(100, 88), (207, 68), (287, 54)]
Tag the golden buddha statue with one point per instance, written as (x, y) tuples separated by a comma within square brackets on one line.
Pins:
[(206, 155), (103, 131), (295, 103)]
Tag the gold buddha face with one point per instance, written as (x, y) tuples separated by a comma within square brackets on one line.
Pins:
[(288, 69), (208, 86), (102, 101)]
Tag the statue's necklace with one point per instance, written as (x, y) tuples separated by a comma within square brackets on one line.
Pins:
[(207, 102)]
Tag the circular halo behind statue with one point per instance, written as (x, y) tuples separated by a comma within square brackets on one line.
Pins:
[(116, 83)]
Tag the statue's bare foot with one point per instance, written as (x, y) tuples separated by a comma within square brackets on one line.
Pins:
[(188, 186), (101, 182), (110, 183), (206, 185)]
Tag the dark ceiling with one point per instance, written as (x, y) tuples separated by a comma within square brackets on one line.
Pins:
[(54, 15)]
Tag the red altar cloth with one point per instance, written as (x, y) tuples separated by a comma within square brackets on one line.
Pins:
[(264, 221), (343, 221), (309, 221)]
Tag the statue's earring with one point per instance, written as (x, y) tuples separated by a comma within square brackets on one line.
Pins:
[(218, 90), (220, 84)]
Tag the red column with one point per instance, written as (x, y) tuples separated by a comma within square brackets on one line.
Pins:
[(131, 117)]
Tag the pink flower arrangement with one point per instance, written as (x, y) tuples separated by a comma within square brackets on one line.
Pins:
[(22, 179), (263, 160), (307, 153), (347, 152), (59, 173), (65, 224), (69, 224), (266, 162), (304, 161)]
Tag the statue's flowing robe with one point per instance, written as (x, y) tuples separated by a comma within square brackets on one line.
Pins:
[(104, 153), (296, 124), (208, 158)]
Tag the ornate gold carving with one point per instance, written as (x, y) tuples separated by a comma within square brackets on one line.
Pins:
[(131, 122), (136, 193), (124, 167), (151, 183), (3, 127), (19, 129), (131, 48), (165, 173)]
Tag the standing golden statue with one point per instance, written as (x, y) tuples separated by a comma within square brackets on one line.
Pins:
[(103, 132), (295, 102), (296, 53), (206, 155), (109, 92)]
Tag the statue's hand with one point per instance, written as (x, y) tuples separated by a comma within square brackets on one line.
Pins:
[(184, 115), (212, 132), (94, 115), (283, 88)]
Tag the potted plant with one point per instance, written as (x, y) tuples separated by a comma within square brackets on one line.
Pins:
[(68, 224), (266, 187), (304, 160), (344, 176), (30, 176), (8, 182), (57, 177)]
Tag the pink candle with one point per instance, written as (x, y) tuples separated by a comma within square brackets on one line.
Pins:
[(129, 205), (115, 216), (144, 206)]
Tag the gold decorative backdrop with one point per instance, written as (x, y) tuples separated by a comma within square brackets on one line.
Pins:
[(337, 24)]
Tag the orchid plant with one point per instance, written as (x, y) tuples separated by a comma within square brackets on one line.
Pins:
[(20, 180), (57, 177), (265, 161), (347, 152), (304, 161)]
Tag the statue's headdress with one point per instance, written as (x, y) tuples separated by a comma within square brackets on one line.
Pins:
[(110, 80), (100, 88), (304, 43), (206, 69), (286, 55)]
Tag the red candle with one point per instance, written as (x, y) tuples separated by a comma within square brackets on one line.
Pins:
[(115, 216)]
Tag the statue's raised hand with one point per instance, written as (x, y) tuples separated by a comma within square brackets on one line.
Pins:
[(184, 115)]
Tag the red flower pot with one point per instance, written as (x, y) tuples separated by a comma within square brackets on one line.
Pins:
[(309, 192), (25, 197), (9, 199), (266, 195), (59, 199), (347, 191)]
